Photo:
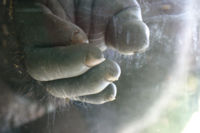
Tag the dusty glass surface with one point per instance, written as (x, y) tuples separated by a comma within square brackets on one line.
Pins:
[(99, 66)]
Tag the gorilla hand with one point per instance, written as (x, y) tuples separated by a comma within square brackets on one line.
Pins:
[(60, 58), (114, 23), (66, 73)]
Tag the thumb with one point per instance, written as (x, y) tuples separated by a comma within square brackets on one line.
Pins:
[(127, 33)]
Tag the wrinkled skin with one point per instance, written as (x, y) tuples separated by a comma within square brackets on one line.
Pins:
[(48, 48), (147, 73), (63, 44), (139, 86)]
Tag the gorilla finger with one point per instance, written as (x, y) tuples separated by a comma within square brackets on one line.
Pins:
[(68, 7), (65, 30), (130, 36), (40, 26), (84, 13), (44, 8), (107, 95), (56, 8), (92, 82), (46, 64)]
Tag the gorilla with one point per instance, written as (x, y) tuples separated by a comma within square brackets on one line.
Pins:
[(54, 51), (61, 57), (67, 61)]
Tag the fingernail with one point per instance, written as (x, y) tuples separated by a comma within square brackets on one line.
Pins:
[(111, 78), (79, 37), (113, 71), (111, 98), (86, 41), (112, 92), (94, 58)]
